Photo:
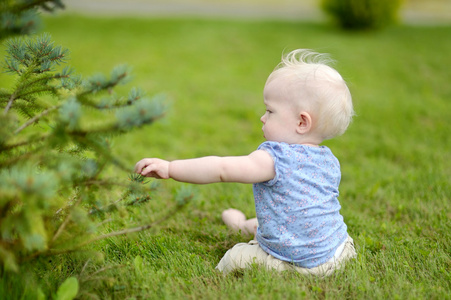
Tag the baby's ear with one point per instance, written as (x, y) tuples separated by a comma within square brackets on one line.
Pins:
[(304, 123)]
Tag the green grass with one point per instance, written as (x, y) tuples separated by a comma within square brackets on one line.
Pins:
[(395, 157)]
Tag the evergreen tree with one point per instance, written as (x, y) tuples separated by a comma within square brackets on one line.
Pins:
[(20, 16), (54, 150)]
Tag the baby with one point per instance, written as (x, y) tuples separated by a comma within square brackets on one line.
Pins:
[(295, 180)]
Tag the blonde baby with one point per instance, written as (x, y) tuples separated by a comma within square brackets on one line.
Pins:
[(295, 179)]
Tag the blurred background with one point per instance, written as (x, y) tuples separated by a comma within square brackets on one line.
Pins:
[(413, 11)]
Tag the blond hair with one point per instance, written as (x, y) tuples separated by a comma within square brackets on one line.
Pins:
[(327, 96)]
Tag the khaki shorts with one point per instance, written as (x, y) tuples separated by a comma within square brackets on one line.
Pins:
[(242, 255)]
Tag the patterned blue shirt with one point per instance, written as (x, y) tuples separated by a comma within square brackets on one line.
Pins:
[(298, 210)]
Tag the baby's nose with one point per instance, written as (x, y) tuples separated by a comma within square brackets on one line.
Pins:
[(262, 119)]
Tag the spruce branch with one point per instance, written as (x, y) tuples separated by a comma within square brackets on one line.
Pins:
[(98, 82), (64, 223), (36, 118), (105, 182), (44, 79), (182, 199), (35, 91), (35, 153), (20, 7), (21, 92), (10, 103), (28, 142), (18, 18), (137, 181), (81, 137), (113, 102), (37, 57), (51, 252), (167, 216)]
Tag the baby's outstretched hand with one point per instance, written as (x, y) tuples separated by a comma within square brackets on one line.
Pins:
[(153, 167)]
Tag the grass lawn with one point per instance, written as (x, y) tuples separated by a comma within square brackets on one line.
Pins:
[(396, 162)]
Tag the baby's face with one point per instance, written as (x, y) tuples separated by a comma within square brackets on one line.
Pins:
[(281, 117)]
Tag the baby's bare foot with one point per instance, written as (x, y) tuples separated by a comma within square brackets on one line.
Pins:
[(233, 218), (236, 220)]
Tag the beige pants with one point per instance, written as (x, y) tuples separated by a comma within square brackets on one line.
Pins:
[(242, 255)]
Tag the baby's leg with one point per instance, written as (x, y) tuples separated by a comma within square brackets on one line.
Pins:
[(236, 220)]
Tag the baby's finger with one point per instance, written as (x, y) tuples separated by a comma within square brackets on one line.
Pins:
[(140, 165), (146, 170)]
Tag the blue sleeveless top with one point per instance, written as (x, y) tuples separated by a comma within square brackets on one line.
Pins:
[(298, 210)]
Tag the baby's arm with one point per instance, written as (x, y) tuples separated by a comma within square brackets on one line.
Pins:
[(255, 167)]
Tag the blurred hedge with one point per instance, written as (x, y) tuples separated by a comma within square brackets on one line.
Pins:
[(363, 14)]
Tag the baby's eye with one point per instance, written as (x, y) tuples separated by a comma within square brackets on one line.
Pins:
[(268, 111)]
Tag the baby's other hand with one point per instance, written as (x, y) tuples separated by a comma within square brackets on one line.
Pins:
[(153, 167)]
